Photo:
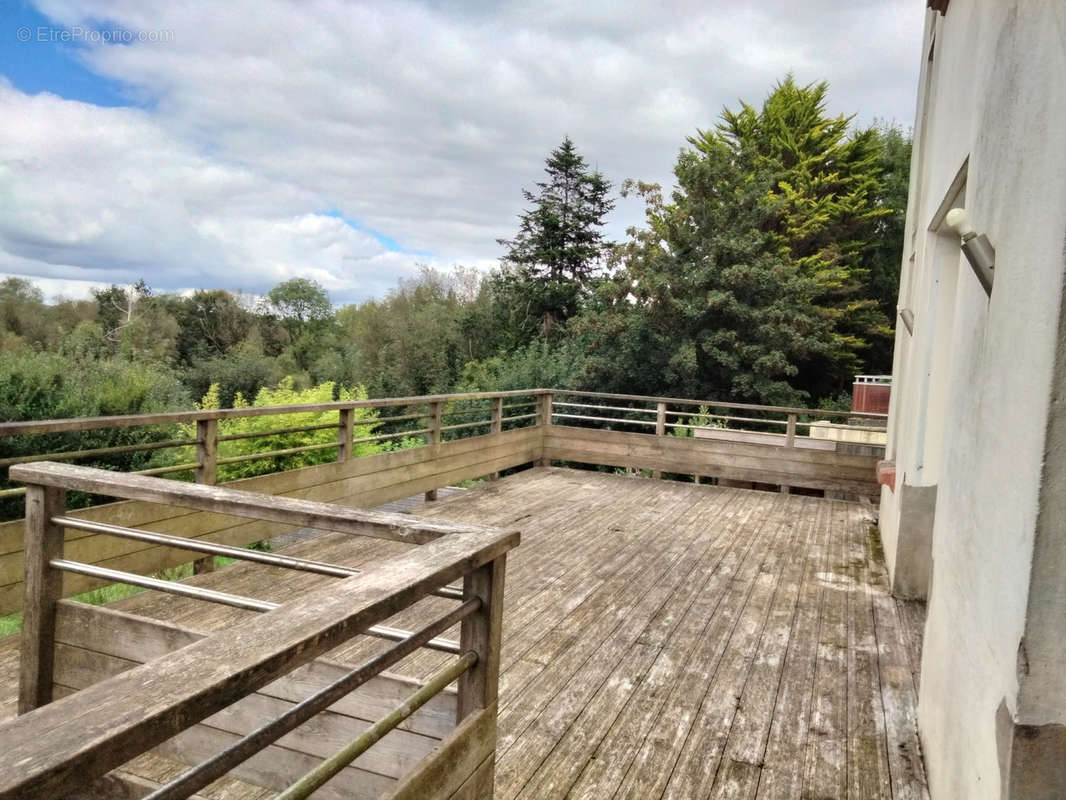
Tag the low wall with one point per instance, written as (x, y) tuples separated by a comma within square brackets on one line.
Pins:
[(731, 460)]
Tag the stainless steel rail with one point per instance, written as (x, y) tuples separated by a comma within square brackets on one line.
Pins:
[(229, 551), (218, 765), (224, 598), (318, 776)]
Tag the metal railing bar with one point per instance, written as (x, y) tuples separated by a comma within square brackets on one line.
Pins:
[(167, 470), (840, 426), (232, 437), (607, 419), (607, 408), (401, 418), (183, 589), (270, 454), (414, 432), (467, 411), (684, 401), (466, 425), (218, 765), (506, 406), (399, 634), (230, 551), (162, 418), (17, 492), (701, 427), (97, 451), (318, 776), (691, 414), (224, 598), (518, 416)]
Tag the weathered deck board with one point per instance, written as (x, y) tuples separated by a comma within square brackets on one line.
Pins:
[(664, 640)]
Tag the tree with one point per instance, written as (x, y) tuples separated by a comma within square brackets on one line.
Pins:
[(22, 311), (412, 342), (212, 323), (117, 306), (750, 284), (300, 302), (882, 261), (305, 311), (559, 245)]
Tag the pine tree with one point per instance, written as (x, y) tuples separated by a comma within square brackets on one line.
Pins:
[(750, 284), (559, 247)]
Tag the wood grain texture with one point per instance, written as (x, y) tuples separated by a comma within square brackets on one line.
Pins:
[(459, 756), (104, 725), (482, 632), (119, 786), (44, 542), (128, 640), (741, 461), (639, 614), (362, 482), (232, 502)]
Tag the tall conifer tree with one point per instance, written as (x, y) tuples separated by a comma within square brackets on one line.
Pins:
[(560, 245)]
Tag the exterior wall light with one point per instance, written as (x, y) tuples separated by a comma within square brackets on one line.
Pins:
[(979, 251)]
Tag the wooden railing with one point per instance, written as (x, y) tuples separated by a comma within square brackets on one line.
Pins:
[(156, 524), (69, 746), (730, 442), (463, 437), (436, 418)]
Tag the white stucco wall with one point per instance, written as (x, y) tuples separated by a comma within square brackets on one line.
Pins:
[(997, 96)]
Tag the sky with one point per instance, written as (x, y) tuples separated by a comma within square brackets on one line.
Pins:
[(237, 145)]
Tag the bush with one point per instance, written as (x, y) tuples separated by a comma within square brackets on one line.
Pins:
[(285, 394), (235, 374), (53, 386)]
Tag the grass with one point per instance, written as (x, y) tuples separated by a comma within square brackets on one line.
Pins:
[(12, 623)]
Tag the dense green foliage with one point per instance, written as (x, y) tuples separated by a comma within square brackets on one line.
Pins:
[(54, 385), (751, 282), (769, 274), (550, 264), (286, 395)]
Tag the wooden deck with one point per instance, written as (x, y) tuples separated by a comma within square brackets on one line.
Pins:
[(664, 640)]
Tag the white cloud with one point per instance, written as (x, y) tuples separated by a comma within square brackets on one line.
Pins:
[(422, 121)]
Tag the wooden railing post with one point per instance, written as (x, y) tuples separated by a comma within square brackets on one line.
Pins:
[(345, 434), (206, 473), (482, 632), (544, 420), (790, 441), (44, 587), (660, 429), (436, 412), (496, 426)]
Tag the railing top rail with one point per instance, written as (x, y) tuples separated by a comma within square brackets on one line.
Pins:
[(252, 505), (52, 749), (135, 420), (813, 412)]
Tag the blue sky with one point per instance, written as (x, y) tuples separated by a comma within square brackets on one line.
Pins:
[(236, 145), (46, 63)]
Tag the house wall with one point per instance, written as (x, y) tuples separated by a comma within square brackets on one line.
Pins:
[(972, 402)]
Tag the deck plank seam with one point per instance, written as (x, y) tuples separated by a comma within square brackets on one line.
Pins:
[(778, 501), (772, 554), (749, 509), (710, 545)]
